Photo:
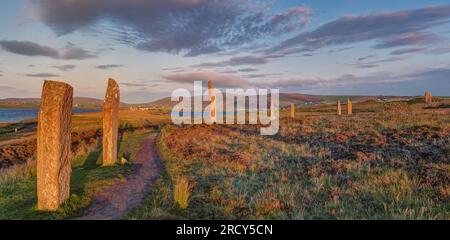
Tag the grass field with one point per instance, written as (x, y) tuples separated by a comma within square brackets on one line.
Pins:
[(18, 183), (387, 161)]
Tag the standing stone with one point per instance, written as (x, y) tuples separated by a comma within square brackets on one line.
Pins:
[(54, 145), (111, 123), (212, 101), (339, 111), (349, 107), (428, 98), (292, 111)]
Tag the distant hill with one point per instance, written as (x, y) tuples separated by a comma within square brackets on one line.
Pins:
[(287, 98), (302, 99), (78, 102)]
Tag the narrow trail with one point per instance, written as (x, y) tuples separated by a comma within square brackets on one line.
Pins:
[(116, 201)]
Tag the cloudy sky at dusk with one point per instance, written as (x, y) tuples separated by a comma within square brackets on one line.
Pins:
[(348, 47)]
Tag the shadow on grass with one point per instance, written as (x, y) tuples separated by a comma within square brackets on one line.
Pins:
[(80, 174)]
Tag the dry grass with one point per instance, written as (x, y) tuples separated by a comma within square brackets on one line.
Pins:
[(17, 148), (386, 161), (182, 191)]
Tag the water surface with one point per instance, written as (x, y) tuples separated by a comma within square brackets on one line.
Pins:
[(19, 114)]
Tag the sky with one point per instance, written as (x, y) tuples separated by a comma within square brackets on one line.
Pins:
[(346, 47)]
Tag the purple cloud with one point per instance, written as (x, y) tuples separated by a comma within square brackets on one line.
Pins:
[(193, 27), (247, 70), (109, 66), (32, 49), (134, 84), (408, 50), (65, 68), (29, 49), (352, 29), (42, 75), (220, 80), (407, 40), (236, 61)]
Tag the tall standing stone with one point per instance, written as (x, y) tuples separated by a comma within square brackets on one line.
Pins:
[(54, 154), (339, 111), (292, 111), (428, 98), (349, 107), (111, 123), (212, 102)]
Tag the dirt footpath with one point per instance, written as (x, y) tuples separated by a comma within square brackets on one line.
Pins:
[(116, 201)]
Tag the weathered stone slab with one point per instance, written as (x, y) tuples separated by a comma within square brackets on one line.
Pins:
[(339, 110), (212, 102), (54, 145), (349, 107), (111, 123), (292, 110), (428, 98)]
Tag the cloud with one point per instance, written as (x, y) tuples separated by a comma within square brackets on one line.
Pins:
[(76, 53), (414, 83), (235, 61), (440, 49), (133, 84), (376, 26), (29, 49), (442, 73), (361, 63), (109, 66), (247, 70), (42, 75), (366, 57), (65, 68), (219, 80), (261, 75), (370, 84), (193, 27), (302, 82), (369, 62), (368, 65), (7, 88), (32, 49), (407, 50), (407, 40)]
